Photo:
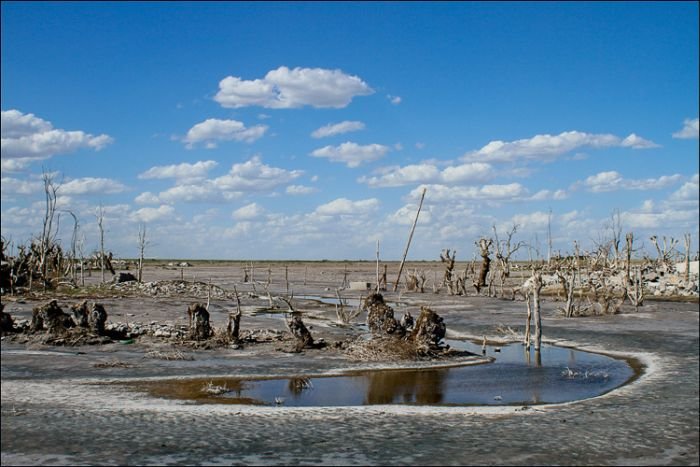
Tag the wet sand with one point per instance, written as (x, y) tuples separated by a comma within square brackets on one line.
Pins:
[(58, 407)]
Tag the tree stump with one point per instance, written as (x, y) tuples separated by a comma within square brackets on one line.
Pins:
[(98, 317), (407, 321), (234, 326), (200, 328), (380, 317), (80, 314), (50, 317), (7, 324), (299, 331), (429, 329)]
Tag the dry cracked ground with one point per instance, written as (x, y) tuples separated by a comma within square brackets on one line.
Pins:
[(68, 405)]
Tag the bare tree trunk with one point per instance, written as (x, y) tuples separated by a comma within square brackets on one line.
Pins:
[(537, 286), (686, 237), (100, 219), (408, 244), (483, 245), (629, 239), (142, 248), (377, 291), (73, 244), (529, 317)]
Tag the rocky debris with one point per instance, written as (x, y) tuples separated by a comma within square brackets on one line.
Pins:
[(380, 317), (200, 329), (174, 287), (52, 318)]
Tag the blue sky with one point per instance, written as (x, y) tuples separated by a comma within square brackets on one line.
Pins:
[(308, 130)]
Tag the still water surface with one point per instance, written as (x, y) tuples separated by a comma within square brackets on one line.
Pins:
[(517, 377)]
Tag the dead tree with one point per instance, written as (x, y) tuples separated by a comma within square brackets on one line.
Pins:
[(142, 248), (234, 320), (484, 245), (635, 290), (629, 240), (73, 245), (48, 232), (100, 215), (344, 313), (200, 329), (533, 286), (615, 227), (665, 255), (296, 326), (382, 280), (449, 267), (504, 250), (686, 239), (568, 280)]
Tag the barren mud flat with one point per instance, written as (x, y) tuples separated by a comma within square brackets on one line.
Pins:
[(91, 404)]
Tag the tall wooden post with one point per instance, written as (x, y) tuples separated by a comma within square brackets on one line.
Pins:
[(408, 244)]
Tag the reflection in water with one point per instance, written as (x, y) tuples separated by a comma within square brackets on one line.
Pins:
[(538, 358), (409, 387), (549, 376), (297, 385)]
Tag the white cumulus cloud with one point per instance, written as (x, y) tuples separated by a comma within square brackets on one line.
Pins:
[(25, 136), (91, 185), (184, 171), (444, 193), (248, 212), (612, 180), (352, 154), (212, 130), (253, 175), (286, 88), (430, 173), (153, 214), (300, 190), (690, 129), (333, 129), (548, 147), (344, 206)]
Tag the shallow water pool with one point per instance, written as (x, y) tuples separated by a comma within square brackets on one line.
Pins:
[(516, 377)]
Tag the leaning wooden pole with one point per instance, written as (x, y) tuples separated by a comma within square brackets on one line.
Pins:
[(408, 244)]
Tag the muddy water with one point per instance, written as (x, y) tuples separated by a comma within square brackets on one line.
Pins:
[(516, 377)]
